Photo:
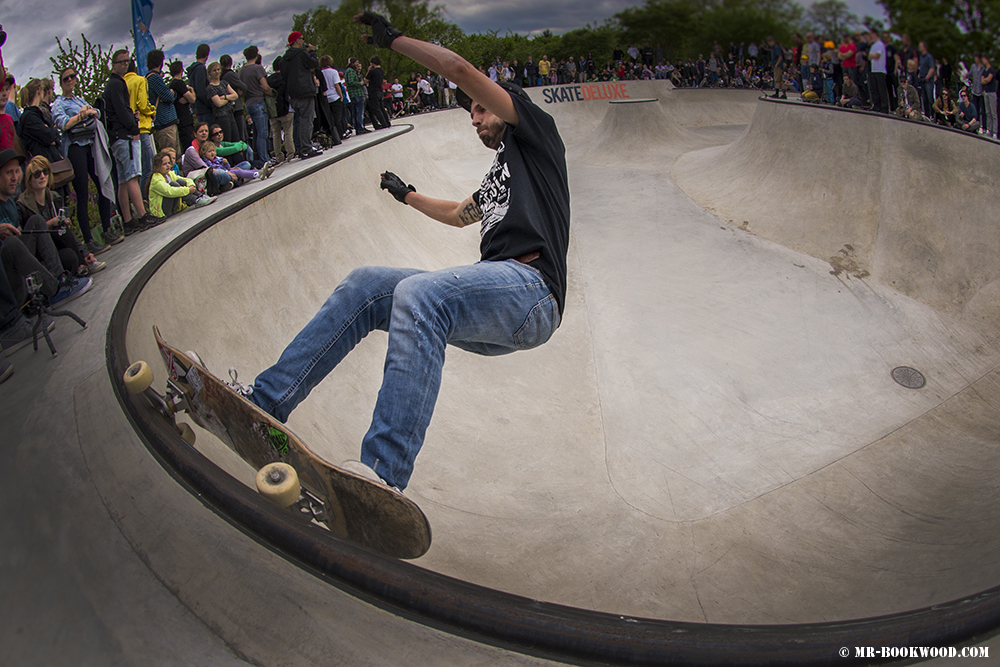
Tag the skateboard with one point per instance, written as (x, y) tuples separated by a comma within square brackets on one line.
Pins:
[(289, 473)]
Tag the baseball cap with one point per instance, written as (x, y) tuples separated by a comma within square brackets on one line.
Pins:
[(9, 154), (465, 101), (294, 35)]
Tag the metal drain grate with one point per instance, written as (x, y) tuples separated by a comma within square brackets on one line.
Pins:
[(910, 378)]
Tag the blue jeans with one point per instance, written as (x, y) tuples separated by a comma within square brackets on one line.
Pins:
[(146, 154), (357, 114), (258, 112), (489, 308)]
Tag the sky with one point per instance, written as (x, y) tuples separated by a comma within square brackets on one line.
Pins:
[(178, 26)]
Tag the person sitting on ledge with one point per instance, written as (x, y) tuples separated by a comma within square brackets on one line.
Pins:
[(169, 194), (851, 96), (945, 111), (968, 115), (909, 101)]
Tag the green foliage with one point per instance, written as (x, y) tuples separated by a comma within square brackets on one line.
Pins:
[(953, 29), (686, 28), (832, 18), (335, 34), (92, 63)]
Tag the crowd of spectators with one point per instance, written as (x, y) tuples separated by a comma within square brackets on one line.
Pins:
[(152, 146)]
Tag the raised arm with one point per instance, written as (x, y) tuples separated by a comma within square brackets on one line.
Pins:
[(445, 62)]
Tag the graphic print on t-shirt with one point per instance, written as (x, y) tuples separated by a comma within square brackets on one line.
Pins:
[(494, 194)]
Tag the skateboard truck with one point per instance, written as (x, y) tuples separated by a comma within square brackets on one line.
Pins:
[(279, 483), (139, 380)]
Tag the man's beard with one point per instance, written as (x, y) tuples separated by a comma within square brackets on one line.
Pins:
[(492, 134)]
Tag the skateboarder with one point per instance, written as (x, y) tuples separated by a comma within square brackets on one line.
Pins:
[(511, 300)]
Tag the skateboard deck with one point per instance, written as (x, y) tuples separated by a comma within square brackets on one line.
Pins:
[(355, 508)]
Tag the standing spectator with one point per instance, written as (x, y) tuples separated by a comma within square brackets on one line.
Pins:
[(78, 122), (375, 78), (223, 99), (928, 73), (6, 96), (778, 64), (123, 133), (531, 71), (876, 81), (162, 98), (37, 133), (281, 123), (426, 93), (233, 79), (543, 69), (138, 93), (356, 94), (944, 73), (753, 51), (184, 97), (976, 73), (254, 78), (335, 94), (198, 79), (848, 55), (296, 66), (990, 97)]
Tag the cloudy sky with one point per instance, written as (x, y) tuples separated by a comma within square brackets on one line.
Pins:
[(228, 26)]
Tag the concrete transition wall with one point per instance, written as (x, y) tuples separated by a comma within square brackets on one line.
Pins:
[(906, 204)]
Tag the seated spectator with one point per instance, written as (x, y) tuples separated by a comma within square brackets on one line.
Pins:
[(192, 160), (37, 133), (229, 149), (38, 198), (909, 101), (78, 122), (945, 111), (968, 116), (850, 97), (223, 173), (169, 194), (813, 85), (28, 248)]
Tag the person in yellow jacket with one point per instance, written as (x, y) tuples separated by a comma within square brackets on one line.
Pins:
[(138, 99), (170, 193)]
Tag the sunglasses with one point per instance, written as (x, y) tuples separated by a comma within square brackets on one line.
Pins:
[(39, 173), (68, 77), (119, 62)]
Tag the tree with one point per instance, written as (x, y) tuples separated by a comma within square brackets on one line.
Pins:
[(956, 29), (334, 32), (91, 62), (832, 18)]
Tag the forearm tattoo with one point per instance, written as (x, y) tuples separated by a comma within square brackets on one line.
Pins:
[(471, 213)]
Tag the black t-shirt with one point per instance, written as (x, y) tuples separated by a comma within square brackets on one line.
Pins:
[(990, 87), (375, 78), (525, 198), (180, 89)]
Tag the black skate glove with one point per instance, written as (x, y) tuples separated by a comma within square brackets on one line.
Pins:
[(382, 33), (396, 187)]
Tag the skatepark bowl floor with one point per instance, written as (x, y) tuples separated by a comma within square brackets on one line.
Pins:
[(713, 440)]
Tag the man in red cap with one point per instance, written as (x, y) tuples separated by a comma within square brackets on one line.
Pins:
[(297, 66)]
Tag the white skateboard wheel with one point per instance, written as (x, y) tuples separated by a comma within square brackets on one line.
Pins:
[(279, 483), (193, 356), (138, 377), (187, 433)]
